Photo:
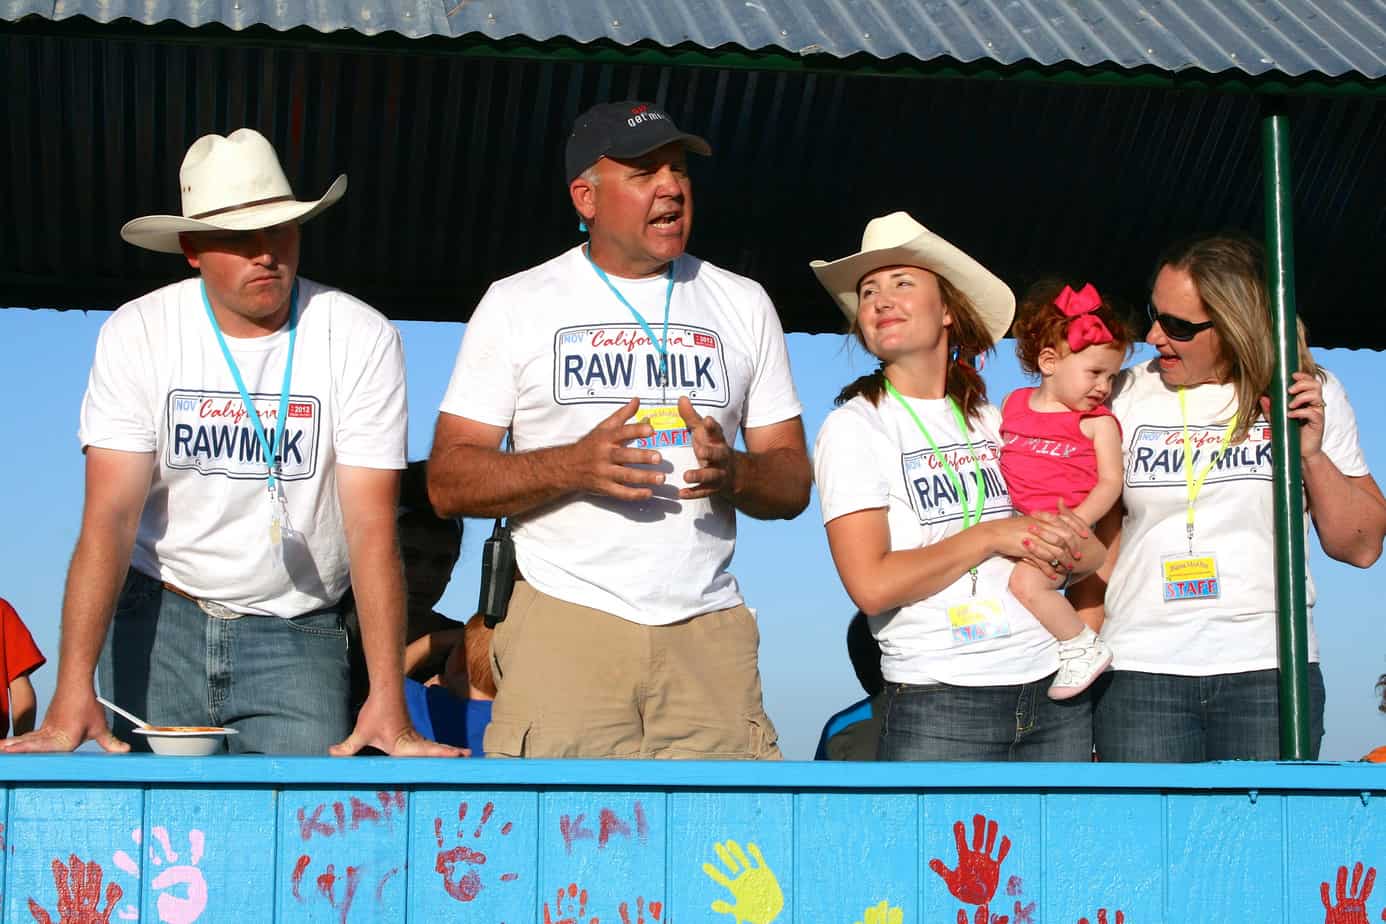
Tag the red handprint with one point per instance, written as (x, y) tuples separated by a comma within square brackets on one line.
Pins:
[(79, 894), (656, 909), (461, 866), (974, 881), (1351, 907), (1102, 917), (983, 916), (572, 910)]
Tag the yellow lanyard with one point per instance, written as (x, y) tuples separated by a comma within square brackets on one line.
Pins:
[(1196, 484)]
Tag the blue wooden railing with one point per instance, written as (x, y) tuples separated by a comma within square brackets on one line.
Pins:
[(97, 838)]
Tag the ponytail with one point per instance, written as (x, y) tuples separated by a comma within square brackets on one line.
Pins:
[(870, 387), (965, 386)]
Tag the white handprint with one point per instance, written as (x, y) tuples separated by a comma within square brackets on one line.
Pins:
[(173, 908)]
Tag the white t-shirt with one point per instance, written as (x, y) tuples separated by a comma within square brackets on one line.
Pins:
[(160, 384), (1234, 520), (551, 352), (868, 457)]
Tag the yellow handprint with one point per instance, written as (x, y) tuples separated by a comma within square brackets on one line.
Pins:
[(755, 888), (883, 914)]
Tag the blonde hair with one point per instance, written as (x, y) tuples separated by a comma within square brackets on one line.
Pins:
[(1229, 271)]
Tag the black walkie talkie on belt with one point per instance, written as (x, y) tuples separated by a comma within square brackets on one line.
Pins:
[(497, 575), (497, 567)]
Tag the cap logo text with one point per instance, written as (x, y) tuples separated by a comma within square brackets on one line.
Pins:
[(645, 117)]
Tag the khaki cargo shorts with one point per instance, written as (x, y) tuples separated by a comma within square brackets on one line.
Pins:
[(577, 682)]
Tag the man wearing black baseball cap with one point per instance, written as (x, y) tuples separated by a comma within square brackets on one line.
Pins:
[(623, 369), (623, 131)]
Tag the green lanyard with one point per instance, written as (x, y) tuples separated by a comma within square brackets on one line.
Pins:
[(1193, 484), (970, 517)]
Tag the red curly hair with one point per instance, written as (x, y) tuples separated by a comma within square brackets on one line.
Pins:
[(1040, 324)]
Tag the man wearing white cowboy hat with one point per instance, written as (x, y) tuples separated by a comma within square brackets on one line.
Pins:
[(244, 432), (623, 369)]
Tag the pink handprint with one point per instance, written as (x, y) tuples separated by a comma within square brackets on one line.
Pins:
[(1025, 915), (1102, 917), (974, 881), (1351, 907), (187, 903)]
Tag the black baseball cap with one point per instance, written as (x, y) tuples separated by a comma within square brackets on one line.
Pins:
[(626, 129)]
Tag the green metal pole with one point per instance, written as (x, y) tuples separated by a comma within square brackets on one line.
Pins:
[(1288, 483)]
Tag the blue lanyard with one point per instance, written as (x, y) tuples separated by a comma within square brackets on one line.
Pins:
[(661, 345), (240, 383)]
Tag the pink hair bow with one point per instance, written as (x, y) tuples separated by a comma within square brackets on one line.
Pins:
[(1085, 329)]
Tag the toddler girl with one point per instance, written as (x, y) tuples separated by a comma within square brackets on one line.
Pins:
[(1061, 444)]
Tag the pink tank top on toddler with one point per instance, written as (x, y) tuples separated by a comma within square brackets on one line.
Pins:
[(1045, 458)]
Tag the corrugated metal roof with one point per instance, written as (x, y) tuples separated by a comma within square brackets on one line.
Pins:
[(1290, 37), (1331, 37), (456, 178), (410, 18)]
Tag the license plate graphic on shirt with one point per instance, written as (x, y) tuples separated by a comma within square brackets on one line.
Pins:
[(1155, 458), (932, 493), (209, 432), (612, 363)]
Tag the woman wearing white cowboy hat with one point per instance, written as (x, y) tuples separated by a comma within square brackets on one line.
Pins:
[(918, 516)]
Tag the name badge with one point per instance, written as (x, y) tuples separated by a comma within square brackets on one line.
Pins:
[(1190, 577), (281, 531), (669, 428), (978, 620)]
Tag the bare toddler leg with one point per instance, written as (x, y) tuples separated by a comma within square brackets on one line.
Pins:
[(1082, 654)]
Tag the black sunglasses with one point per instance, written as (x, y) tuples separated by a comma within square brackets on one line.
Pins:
[(1176, 328)]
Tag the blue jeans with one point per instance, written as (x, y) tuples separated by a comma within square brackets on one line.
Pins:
[(1167, 718), (939, 721), (281, 683)]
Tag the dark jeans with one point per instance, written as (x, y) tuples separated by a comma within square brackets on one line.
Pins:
[(1167, 718), (281, 683), (939, 721)]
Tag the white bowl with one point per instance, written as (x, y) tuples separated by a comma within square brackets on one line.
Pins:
[(185, 741)]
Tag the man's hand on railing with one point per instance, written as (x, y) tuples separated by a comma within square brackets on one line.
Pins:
[(386, 727), (71, 719)]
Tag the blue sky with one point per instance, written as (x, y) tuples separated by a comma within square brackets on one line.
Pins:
[(784, 568)]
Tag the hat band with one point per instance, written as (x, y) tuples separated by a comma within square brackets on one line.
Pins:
[(243, 205)]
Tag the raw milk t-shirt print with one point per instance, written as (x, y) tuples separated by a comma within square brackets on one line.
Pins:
[(211, 433), (935, 497), (608, 364), (1156, 457), (612, 363)]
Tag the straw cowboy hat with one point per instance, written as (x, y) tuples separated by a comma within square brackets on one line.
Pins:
[(898, 240), (233, 183)]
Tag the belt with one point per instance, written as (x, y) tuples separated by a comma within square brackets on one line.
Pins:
[(210, 607), (179, 591)]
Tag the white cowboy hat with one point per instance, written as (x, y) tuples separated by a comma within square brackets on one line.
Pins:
[(229, 184), (898, 240)]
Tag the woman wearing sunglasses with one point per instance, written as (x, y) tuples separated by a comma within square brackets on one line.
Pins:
[(1190, 601), (919, 518)]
